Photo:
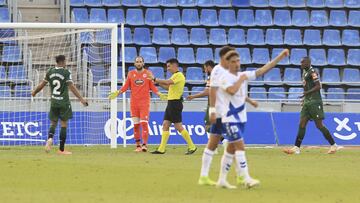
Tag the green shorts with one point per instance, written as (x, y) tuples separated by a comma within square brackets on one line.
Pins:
[(62, 112), (313, 111)]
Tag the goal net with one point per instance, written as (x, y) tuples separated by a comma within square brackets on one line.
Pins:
[(28, 51)]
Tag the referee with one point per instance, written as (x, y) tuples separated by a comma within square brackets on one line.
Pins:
[(175, 86)]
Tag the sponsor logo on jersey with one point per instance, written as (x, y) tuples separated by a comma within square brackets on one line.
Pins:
[(139, 82)]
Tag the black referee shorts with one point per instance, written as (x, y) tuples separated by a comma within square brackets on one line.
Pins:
[(173, 111)]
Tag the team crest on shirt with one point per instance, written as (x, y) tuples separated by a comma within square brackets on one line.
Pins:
[(139, 82)]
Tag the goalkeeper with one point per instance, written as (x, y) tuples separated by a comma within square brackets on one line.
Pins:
[(140, 86), (174, 108)]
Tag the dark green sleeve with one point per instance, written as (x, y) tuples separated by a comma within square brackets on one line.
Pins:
[(47, 76), (68, 77)]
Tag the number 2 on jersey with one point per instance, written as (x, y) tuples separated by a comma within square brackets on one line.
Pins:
[(57, 85)]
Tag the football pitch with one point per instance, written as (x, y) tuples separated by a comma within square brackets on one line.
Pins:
[(101, 174)]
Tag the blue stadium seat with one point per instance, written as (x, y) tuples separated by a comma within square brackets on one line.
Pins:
[(93, 3), (292, 76), (292, 37), (5, 91), (222, 3), (263, 18), (190, 17), (98, 73), (103, 37), (255, 37), (119, 73), (227, 17), (208, 17), (205, 3), (204, 54), (98, 15), (312, 38), (111, 3), (236, 36), (217, 36), (2, 72), (142, 36), (150, 3), (130, 68), (273, 77), (185, 55), (335, 93), (4, 15), (187, 3), (130, 54), (336, 57), (166, 53), (241, 3), (198, 36), (260, 56), (158, 72), (275, 52), (352, 3), (354, 18), (196, 90), (245, 57), (319, 18), (116, 16), (318, 57), (93, 54), (331, 38), (17, 72), (274, 37), (351, 75), (216, 55), (131, 3), (172, 17), (134, 17), (353, 93), (186, 92), (334, 3), (80, 15), (315, 3), (180, 36), (330, 75), (300, 18), (153, 17), (103, 91), (149, 54), (282, 18), (75, 3), (258, 93), (11, 54), (128, 36), (295, 93), (23, 91), (259, 3), (168, 3), (194, 75), (296, 55), (353, 57), (278, 3), (338, 18), (276, 94), (245, 17), (296, 3), (350, 38), (161, 36)]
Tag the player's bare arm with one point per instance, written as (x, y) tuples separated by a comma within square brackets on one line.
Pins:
[(252, 102), (39, 88), (316, 88), (76, 92), (212, 100), (204, 93), (267, 67), (234, 88)]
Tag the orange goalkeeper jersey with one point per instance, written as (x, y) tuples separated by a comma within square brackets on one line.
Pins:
[(140, 86)]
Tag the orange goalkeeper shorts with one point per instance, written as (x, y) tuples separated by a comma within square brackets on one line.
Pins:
[(140, 111)]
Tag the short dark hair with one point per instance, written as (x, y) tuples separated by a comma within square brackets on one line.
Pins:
[(231, 54), (306, 58), (224, 50), (209, 63), (140, 57), (60, 58), (172, 61)]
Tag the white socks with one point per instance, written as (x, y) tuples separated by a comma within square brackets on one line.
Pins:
[(206, 162), (226, 162), (242, 165)]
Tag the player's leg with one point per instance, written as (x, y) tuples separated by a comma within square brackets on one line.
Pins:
[(135, 116), (54, 115), (62, 137), (144, 118), (185, 134), (225, 165), (164, 137), (326, 133)]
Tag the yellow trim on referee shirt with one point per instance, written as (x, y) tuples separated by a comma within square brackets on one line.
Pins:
[(176, 90)]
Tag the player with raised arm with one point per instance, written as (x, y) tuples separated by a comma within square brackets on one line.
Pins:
[(60, 81), (140, 86), (312, 108), (173, 113), (233, 116)]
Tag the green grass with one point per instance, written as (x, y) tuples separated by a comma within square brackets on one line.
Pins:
[(99, 174)]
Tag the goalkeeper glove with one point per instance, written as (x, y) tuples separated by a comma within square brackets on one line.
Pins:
[(163, 97), (113, 95)]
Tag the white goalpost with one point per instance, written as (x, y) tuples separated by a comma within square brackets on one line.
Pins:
[(28, 50)]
